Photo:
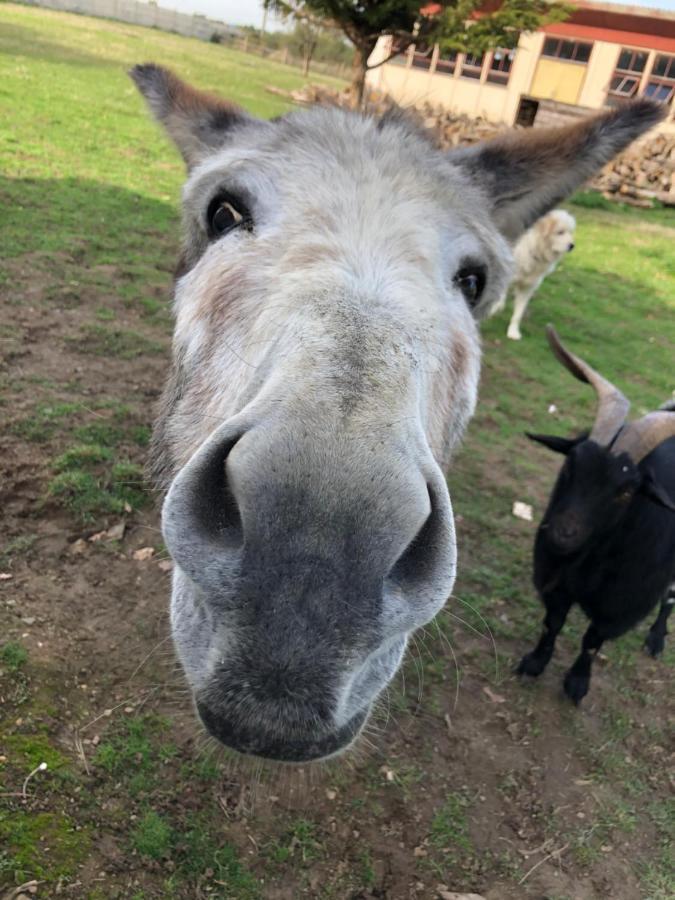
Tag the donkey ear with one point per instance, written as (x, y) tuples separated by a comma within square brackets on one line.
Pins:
[(527, 173), (197, 122)]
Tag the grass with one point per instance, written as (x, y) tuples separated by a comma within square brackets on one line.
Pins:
[(13, 656), (88, 494), (99, 340), (449, 832), (123, 193), (152, 836), (41, 845)]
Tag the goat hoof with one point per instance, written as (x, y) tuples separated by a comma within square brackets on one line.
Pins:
[(654, 644), (576, 687), (531, 665)]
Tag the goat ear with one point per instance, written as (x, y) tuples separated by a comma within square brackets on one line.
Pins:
[(557, 444), (525, 174), (197, 122), (656, 492)]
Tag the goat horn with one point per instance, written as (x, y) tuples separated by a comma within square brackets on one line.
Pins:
[(612, 405), (639, 438)]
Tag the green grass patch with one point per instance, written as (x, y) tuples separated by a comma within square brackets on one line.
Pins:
[(21, 545), (87, 495), (449, 833), (81, 456), (43, 845), (104, 433), (27, 751), (47, 419), (138, 746), (13, 656), (152, 836), (194, 852), (100, 340)]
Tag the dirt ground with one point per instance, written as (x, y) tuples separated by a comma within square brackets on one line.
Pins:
[(468, 780)]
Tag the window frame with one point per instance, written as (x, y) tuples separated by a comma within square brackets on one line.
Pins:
[(472, 71), (498, 75), (447, 65), (629, 72), (657, 82), (421, 61), (559, 41), (662, 81)]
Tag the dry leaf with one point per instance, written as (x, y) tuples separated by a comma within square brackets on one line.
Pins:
[(78, 547), (116, 533), (143, 554), (166, 565), (496, 698)]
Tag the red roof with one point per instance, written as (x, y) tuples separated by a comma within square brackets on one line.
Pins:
[(614, 23)]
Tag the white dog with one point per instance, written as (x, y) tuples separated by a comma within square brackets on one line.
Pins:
[(537, 254)]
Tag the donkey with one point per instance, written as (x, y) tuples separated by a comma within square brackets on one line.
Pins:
[(325, 365)]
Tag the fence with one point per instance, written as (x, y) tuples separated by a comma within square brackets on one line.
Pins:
[(197, 26), (148, 14), (249, 43)]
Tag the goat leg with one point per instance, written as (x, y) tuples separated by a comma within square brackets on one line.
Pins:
[(535, 662), (578, 679), (656, 638)]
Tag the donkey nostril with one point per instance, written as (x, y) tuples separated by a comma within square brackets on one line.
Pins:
[(214, 503), (426, 567), (200, 518)]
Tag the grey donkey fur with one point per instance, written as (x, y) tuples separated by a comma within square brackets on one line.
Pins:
[(326, 362)]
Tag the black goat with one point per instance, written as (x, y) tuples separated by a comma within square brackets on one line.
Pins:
[(607, 539)]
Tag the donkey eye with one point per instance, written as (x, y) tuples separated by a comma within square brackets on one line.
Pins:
[(471, 282), (223, 216)]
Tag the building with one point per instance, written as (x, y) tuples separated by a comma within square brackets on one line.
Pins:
[(603, 55)]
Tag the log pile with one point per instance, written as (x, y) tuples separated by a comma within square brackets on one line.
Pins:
[(639, 176), (642, 174)]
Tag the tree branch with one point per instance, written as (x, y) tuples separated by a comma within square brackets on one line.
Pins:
[(390, 57)]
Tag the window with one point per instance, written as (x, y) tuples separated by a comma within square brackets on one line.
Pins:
[(500, 66), (631, 61), (421, 60), (623, 87), (664, 67), (661, 84), (570, 51), (446, 63), (472, 66), (626, 78)]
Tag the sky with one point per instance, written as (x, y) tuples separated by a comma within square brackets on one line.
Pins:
[(234, 12), (249, 12)]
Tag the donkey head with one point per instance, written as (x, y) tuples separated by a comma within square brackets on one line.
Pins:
[(326, 361)]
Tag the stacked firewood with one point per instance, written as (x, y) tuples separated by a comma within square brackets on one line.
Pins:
[(639, 176), (642, 174)]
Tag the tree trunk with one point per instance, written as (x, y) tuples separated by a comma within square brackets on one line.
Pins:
[(309, 53), (359, 70)]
